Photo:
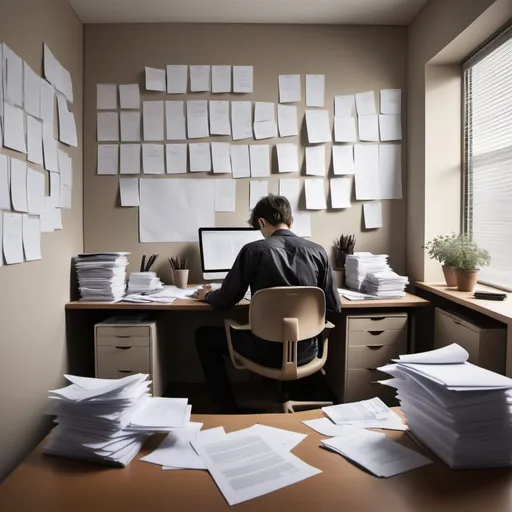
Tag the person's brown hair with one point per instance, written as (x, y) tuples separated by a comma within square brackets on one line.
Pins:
[(274, 209)]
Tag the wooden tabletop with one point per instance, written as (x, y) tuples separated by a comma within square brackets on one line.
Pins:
[(409, 301), (46, 483)]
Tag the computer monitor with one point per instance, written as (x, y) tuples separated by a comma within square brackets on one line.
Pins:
[(220, 246)]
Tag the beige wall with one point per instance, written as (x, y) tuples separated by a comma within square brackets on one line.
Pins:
[(32, 321), (354, 59)]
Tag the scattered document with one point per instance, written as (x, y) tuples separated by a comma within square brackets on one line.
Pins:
[(325, 427), (318, 126), (284, 438), (47, 103), (13, 77), (50, 147), (12, 237), (106, 96), (369, 128), (341, 192), (390, 171), (391, 101), (108, 126), (14, 128), (225, 195), (289, 88), (365, 103), (36, 191), (177, 79), (200, 78), (34, 140), (366, 162), (219, 118), (292, 190), (130, 126), (130, 159), (153, 159), (66, 179), (155, 79), (260, 160), (287, 120), (19, 185), (5, 197), (129, 191), (230, 460), (343, 159), (67, 123), (240, 162), (243, 79), (31, 91), (221, 157), (372, 215), (176, 156), (31, 238), (345, 106), (315, 160), (345, 129), (108, 159), (257, 190), (129, 96), (175, 120), (221, 79), (315, 194), (287, 157), (197, 119), (241, 120), (165, 203), (315, 90), (200, 159), (153, 120), (390, 127)]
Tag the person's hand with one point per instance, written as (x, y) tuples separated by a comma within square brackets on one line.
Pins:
[(202, 292)]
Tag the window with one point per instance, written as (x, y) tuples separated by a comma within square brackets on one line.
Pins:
[(487, 201)]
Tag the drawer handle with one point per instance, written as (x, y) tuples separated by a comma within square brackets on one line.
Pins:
[(124, 371), (122, 348), (374, 347), (377, 318), (124, 336), (375, 333)]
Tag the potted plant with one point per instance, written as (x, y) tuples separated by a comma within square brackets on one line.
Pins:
[(469, 260), (342, 246), (442, 248), (179, 271)]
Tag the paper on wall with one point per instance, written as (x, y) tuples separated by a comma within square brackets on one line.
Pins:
[(46, 218), (12, 237), (241, 120), (197, 119), (264, 120), (130, 126), (372, 215), (343, 159), (391, 101), (129, 191), (315, 160), (153, 159), (155, 79), (153, 120), (243, 79), (257, 190), (31, 232), (66, 179), (129, 96), (219, 118), (345, 105), (19, 185), (36, 189), (200, 78), (291, 189), (221, 157), (341, 192), (175, 120), (130, 158), (108, 159), (369, 128), (260, 160), (390, 171), (34, 140), (365, 103), (289, 88), (390, 127), (52, 69), (345, 129), (47, 103), (177, 79), (108, 126), (240, 163), (5, 197), (366, 164), (287, 157), (225, 195), (221, 79), (50, 146), (200, 159), (106, 96), (14, 128), (315, 194), (55, 189), (13, 77), (315, 90), (318, 126), (287, 120), (31, 91), (1, 222), (176, 156), (67, 123)]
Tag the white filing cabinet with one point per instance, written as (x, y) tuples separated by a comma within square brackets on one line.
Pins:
[(125, 348), (372, 341), (486, 344)]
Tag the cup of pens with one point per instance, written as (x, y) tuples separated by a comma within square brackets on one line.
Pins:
[(179, 271)]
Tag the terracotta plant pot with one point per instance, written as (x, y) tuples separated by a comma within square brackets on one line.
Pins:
[(450, 276), (339, 277), (466, 280), (180, 278)]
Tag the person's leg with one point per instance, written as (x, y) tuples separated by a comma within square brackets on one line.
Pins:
[(212, 346)]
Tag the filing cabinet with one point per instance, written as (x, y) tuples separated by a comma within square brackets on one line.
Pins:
[(123, 348)]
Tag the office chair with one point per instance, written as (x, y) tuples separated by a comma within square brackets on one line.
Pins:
[(285, 315)]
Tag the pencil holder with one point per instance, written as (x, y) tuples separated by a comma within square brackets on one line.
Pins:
[(180, 278)]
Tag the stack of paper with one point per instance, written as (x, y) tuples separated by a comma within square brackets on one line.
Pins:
[(360, 264), (385, 285), (460, 411), (143, 282), (102, 275)]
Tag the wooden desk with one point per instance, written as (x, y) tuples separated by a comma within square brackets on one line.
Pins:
[(45, 483)]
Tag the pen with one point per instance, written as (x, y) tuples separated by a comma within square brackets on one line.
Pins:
[(142, 263)]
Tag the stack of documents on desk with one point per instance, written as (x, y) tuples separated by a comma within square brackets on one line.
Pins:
[(462, 412), (102, 276), (385, 285), (143, 282), (360, 264)]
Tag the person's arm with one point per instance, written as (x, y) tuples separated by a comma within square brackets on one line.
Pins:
[(234, 285), (332, 297)]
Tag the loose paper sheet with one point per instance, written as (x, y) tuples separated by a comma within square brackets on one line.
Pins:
[(318, 125), (197, 119), (155, 79), (287, 157), (391, 101), (343, 159), (130, 126), (315, 160), (176, 156), (14, 128), (240, 162), (130, 158), (1, 214), (257, 190), (129, 191), (108, 159), (153, 159), (31, 91), (225, 195), (108, 126), (221, 79), (175, 120), (13, 77), (315, 90), (365, 103), (36, 189), (221, 157), (345, 129), (287, 120), (291, 189), (55, 189), (52, 69), (46, 219), (31, 237), (47, 103), (66, 179), (345, 105), (366, 162), (390, 171), (67, 124), (19, 185), (50, 146), (13, 237), (390, 127), (34, 140), (165, 203), (265, 126), (177, 79), (341, 192), (315, 194), (129, 96), (200, 78), (200, 159), (241, 120), (260, 160), (289, 88), (369, 128), (372, 215), (153, 120), (5, 197), (243, 79), (219, 118), (106, 96)]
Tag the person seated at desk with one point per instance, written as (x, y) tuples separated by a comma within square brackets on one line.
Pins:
[(281, 259)]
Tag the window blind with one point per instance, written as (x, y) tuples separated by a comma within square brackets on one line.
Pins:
[(487, 203)]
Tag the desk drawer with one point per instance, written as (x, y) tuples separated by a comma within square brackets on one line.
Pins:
[(117, 362), (377, 338), (364, 357), (123, 331), (377, 323), (362, 385), (122, 341)]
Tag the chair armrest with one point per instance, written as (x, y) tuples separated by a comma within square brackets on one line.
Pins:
[(232, 324)]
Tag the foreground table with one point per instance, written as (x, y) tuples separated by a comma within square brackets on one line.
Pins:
[(44, 483)]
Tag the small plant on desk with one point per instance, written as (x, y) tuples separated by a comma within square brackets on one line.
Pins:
[(179, 268), (442, 248), (469, 259), (342, 246)]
